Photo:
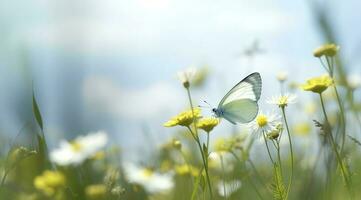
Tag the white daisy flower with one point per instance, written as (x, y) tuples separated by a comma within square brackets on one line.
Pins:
[(228, 188), (76, 151), (264, 123), (354, 81), (187, 75), (282, 100), (153, 182)]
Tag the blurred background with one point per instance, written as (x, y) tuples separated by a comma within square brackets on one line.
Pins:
[(111, 65)]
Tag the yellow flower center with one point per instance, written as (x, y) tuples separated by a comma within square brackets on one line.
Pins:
[(262, 120), (76, 146), (147, 173), (282, 101)]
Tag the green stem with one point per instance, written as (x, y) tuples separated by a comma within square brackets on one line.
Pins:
[(199, 144), (279, 156), (291, 149), (269, 153), (343, 121), (334, 146)]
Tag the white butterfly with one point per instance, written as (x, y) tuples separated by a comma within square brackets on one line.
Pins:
[(240, 103)]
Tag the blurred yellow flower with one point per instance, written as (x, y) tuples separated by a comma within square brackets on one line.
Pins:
[(186, 170), (49, 182), (326, 50), (97, 191), (177, 144), (223, 145), (184, 118), (318, 84), (303, 128), (207, 124)]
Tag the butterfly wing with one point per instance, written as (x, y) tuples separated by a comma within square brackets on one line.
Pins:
[(242, 110), (240, 103)]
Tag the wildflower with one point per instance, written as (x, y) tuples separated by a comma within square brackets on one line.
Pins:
[(326, 50), (152, 181), (302, 128), (318, 84), (80, 149), (207, 124), (282, 100), (354, 81), (223, 145), (264, 123), (186, 76), (228, 188), (282, 76), (273, 134), (177, 144), (184, 118), (49, 182), (186, 170), (97, 191)]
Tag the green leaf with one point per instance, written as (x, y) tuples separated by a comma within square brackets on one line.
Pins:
[(278, 188), (36, 112)]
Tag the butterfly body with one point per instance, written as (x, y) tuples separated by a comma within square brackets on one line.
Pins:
[(240, 105)]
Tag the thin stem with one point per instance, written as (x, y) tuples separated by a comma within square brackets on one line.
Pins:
[(343, 121), (279, 156), (291, 149), (199, 144), (269, 153), (334, 147), (224, 180)]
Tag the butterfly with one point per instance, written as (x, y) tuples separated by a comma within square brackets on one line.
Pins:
[(240, 103)]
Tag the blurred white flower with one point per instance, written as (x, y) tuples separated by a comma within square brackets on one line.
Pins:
[(282, 76), (187, 75), (354, 81), (228, 188), (282, 100), (153, 182), (264, 123), (76, 151)]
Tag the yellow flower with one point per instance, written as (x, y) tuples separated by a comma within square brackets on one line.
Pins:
[(177, 144), (318, 84), (186, 170), (184, 118), (223, 145), (207, 123), (49, 182), (302, 128), (96, 191), (326, 50)]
